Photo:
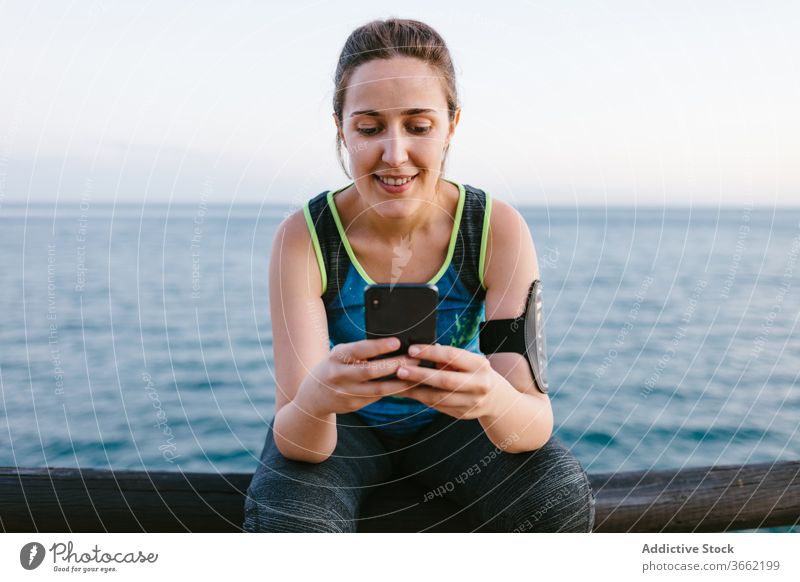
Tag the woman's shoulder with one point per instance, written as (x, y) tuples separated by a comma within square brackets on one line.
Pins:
[(503, 209), (504, 214), (297, 224), (292, 233), (508, 228), (509, 242), (294, 262), (500, 213)]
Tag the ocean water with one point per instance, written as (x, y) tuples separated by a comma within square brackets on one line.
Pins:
[(139, 337)]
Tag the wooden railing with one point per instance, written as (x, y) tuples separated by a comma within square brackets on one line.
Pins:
[(701, 499)]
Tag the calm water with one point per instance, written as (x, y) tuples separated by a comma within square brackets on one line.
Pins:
[(140, 337)]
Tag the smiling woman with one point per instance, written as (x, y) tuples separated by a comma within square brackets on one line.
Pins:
[(478, 427), (396, 126)]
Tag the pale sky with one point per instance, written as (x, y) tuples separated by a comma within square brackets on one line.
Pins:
[(564, 103)]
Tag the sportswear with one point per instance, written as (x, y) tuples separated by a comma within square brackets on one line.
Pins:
[(460, 310)]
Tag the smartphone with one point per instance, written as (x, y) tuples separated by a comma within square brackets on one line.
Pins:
[(406, 311)]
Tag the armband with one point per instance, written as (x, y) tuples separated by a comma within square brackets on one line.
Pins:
[(522, 335)]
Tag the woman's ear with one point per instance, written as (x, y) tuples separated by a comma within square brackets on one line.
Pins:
[(339, 129), (452, 129)]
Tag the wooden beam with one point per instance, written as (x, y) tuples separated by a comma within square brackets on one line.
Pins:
[(699, 499)]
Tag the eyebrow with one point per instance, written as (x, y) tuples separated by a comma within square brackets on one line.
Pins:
[(374, 113)]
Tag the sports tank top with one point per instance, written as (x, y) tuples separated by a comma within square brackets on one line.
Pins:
[(460, 309)]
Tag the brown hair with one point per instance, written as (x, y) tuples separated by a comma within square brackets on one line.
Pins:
[(384, 39)]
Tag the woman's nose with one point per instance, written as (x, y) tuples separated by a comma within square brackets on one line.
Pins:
[(395, 149)]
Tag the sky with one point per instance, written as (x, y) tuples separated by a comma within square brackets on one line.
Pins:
[(563, 103)]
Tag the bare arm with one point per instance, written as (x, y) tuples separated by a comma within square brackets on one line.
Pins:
[(300, 342), (511, 267)]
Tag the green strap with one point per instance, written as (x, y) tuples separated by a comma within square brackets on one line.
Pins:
[(484, 237), (317, 249)]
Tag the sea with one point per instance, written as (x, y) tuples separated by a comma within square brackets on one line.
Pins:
[(138, 336)]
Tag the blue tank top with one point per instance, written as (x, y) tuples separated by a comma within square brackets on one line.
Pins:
[(461, 293)]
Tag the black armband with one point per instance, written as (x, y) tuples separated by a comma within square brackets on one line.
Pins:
[(522, 335)]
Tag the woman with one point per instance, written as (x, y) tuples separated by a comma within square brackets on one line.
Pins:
[(479, 423)]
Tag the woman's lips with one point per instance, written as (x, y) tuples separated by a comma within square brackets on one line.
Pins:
[(395, 189)]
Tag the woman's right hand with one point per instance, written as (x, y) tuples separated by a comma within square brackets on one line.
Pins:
[(343, 382)]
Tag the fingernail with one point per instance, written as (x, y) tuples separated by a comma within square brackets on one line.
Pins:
[(394, 342), (413, 350), (402, 372)]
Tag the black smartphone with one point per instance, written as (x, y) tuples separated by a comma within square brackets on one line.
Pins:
[(406, 311)]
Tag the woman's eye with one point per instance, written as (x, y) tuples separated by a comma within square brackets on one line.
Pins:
[(415, 129)]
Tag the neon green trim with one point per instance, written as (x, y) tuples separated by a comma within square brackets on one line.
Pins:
[(343, 236), (451, 247), (484, 237), (453, 235), (317, 249)]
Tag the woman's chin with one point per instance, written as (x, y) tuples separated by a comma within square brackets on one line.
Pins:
[(397, 207)]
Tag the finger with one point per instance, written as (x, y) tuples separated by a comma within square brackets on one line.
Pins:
[(362, 350), (442, 379), (440, 399), (365, 371), (393, 388), (450, 356), (371, 391), (376, 390)]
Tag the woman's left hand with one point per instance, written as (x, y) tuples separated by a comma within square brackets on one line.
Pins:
[(464, 384)]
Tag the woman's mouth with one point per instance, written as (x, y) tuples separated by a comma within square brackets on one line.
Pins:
[(395, 185)]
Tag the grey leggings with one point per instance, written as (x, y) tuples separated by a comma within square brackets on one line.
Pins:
[(540, 491)]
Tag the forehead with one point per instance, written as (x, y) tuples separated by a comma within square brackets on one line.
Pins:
[(389, 85)]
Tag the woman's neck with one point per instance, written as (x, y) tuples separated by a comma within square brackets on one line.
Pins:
[(393, 230)]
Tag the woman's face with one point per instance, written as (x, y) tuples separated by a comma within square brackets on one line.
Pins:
[(395, 125)]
